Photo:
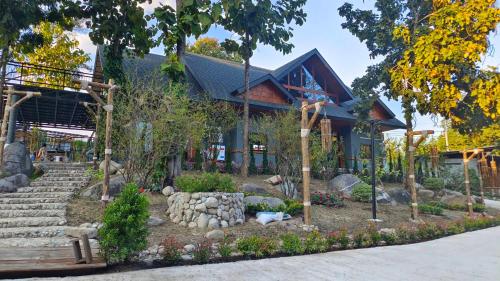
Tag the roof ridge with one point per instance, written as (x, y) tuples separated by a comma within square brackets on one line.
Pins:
[(230, 62)]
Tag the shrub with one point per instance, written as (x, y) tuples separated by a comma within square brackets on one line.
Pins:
[(427, 231), (389, 238), (327, 199), (430, 209), (478, 207), (455, 228), (292, 244), (225, 249), (255, 245), (338, 237), (95, 175), (202, 252), (373, 234), (435, 184), (171, 250), (124, 229), (358, 237), (291, 207), (362, 192), (206, 182), (315, 243), (405, 234)]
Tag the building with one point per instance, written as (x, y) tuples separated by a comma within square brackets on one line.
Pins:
[(306, 77)]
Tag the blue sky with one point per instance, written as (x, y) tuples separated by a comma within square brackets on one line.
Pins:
[(346, 55)]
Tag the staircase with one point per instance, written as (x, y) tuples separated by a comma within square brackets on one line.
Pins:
[(34, 216)]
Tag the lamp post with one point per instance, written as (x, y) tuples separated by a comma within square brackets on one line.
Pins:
[(373, 123)]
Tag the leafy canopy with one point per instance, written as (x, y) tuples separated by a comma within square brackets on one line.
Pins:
[(121, 26), (211, 47), (58, 50), (440, 65), (261, 21)]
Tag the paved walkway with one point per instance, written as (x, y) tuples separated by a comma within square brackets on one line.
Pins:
[(469, 256)]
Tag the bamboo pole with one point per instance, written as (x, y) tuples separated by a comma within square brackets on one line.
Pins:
[(326, 135), (467, 183), (96, 137), (306, 126), (3, 135), (107, 151), (411, 176), (9, 106)]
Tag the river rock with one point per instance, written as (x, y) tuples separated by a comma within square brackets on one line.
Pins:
[(253, 188), (211, 202), (167, 191), (155, 221), (272, 202), (215, 235), (202, 220)]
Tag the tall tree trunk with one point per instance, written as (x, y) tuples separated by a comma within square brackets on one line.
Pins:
[(246, 120), (3, 65), (181, 41)]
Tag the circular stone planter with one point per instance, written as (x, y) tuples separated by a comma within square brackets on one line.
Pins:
[(206, 209)]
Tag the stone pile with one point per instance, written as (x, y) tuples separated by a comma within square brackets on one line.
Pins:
[(202, 210)]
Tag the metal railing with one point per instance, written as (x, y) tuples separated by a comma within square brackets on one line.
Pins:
[(22, 73)]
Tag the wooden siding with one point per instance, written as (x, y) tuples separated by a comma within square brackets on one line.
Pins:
[(379, 113), (267, 92)]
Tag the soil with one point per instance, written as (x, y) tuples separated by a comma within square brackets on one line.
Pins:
[(353, 215)]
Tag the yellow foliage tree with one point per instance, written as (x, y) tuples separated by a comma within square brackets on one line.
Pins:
[(211, 47), (440, 66), (57, 57)]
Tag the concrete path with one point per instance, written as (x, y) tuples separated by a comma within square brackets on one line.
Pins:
[(469, 256), (492, 203)]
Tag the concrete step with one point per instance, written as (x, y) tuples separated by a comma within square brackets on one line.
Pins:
[(44, 189), (57, 179), (31, 221), (34, 206), (34, 194), (52, 242), (57, 183), (32, 232), (32, 200), (32, 213)]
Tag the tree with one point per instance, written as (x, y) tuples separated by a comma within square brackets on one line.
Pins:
[(58, 50), (17, 20), (440, 65), (121, 27), (211, 47), (484, 137), (190, 18), (261, 21)]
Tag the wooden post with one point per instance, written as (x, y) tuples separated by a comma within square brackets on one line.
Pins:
[(493, 165), (9, 106), (326, 135), (467, 183), (306, 126), (96, 137), (482, 167), (412, 146), (6, 112), (107, 151)]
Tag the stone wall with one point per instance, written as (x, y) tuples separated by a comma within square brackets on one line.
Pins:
[(212, 210)]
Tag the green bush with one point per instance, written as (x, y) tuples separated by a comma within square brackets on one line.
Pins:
[(430, 209), (455, 228), (361, 192), (373, 234), (327, 199), (257, 246), (225, 249), (389, 238), (435, 184), (206, 182), (292, 244), (338, 237), (427, 231), (291, 207), (171, 250), (315, 243), (124, 229), (202, 252)]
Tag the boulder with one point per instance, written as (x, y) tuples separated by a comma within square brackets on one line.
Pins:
[(17, 160), (113, 167), (425, 195), (116, 185), (272, 202), (274, 180), (155, 221), (400, 195), (202, 220), (12, 183), (167, 191), (253, 188), (215, 235), (211, 202), (383, 197), (455, 198), (343, 183), (213, 223)]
